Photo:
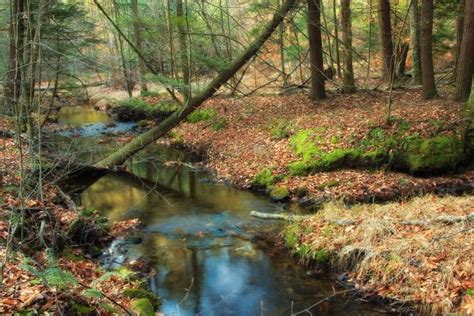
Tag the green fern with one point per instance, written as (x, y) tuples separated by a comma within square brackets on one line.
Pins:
[(92, 293)]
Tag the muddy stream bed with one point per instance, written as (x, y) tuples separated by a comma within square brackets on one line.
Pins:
[(197, 235)]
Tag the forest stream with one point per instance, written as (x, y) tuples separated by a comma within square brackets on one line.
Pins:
[(197, 234)]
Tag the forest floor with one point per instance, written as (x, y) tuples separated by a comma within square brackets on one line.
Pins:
[(245, 146), (429, 265), (35, 281)]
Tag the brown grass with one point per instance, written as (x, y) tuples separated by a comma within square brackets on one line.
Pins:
[(431, 265)]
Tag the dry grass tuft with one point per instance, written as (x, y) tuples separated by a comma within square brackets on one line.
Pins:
[(429, 262)]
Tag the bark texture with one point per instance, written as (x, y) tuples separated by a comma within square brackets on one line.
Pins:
[(346, 27), (465, 70), (139, 44), (415, 42), (426, 32), (386, 40), (316, 50)]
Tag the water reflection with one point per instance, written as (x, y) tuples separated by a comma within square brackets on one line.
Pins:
[(198, 236), (78, 115)]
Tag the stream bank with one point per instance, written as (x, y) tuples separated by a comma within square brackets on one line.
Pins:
[(199, 242), (254, 141)]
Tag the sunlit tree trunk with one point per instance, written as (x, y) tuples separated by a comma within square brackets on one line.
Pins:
[(386, 40), (336, 38), (315, 50), (139, 44), (346, 27), (17, 40), (281, 43), (183, 46), (426, 33), (459, 32), (415, 42), (466, 55)]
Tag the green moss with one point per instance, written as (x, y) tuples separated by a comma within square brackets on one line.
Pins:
[(279, 193), (374, 158), (470, 292), (299, 168), (423, 155), (339, 158), (304, 144), (143, 307), (201, 115), (264, 179), (141, 293)]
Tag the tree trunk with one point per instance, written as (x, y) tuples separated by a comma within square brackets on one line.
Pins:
[(281, 43), (415, 42), (459, 32), (346, 27), (17, 40), (139, 44), (336, 38), (386, 40), (141, 141), (183, 43), (466, 60), (426, 33), (315, 50)]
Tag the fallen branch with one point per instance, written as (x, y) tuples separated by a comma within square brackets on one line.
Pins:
[(445, 220), (280, 216)]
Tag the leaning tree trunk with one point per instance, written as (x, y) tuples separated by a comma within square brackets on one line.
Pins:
[(315, 50), (465, 70), (386, 40), (415, 42), (346, 27), (141, 141), (426, 32)]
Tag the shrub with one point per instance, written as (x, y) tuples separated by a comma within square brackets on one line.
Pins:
[(264, 179)]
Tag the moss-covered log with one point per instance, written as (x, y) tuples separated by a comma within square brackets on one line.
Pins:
[(161, 129)]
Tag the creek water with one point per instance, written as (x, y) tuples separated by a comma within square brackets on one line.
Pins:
[(198, 235)]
